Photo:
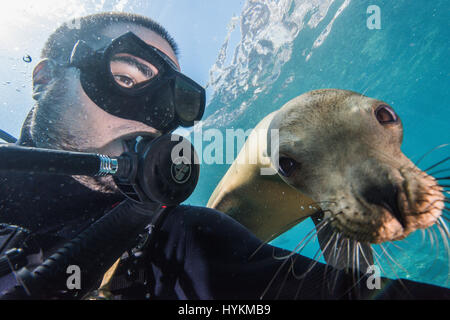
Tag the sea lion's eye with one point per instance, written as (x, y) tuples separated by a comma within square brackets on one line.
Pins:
[(385, 114), (287, 166)]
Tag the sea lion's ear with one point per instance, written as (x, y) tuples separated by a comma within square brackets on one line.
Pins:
[(43, 74)]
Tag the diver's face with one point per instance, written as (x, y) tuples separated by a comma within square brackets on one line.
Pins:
[(96, 130)]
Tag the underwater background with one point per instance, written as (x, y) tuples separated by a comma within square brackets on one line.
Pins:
[(256, 55)]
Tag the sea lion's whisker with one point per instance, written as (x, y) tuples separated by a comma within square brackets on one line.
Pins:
[(378, 262), (432, 150), (430, 235), (273, 279), (444, 226), (376, 256), (356, 283), (335, 279), (393, 270), (319, 227), (438, 171), (353, 261), (312, 265), (348, 255), (392, 259), (334, 259), (435, 188), (298, 289), (336, 250), (388, 257), (336, 256), (326, 264), (298, 248), (444, 235), (435, 243), (405, 240), (397, 246), (437, 164), (287, 227), (287, 257), (359, 252), (314, 262), (442, 178), (437, 240), (285, 279), (422, 243), (364, 92), (363, 255), (432, 239), (429, 207), (357, 270), (274, 235)]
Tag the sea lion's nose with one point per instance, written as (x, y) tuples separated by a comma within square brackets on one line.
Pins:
[(386, 196), (391, 204)]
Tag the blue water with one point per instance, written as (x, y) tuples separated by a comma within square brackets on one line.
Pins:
[(279, 50)]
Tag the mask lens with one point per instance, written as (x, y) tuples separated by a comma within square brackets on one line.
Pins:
[(130, 71), (189, 100)]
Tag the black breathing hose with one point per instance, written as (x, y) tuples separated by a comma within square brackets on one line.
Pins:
[(93, 251), (49, 161)]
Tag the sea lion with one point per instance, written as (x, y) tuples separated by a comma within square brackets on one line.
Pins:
[(337, 160)]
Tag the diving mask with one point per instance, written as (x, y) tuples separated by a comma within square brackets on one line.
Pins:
[(133, 80)]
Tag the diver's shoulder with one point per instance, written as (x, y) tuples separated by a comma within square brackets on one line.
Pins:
[(201, 215), (193, 208), (195, 213)]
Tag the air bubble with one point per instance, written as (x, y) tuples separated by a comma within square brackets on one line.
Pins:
[(27, 58)]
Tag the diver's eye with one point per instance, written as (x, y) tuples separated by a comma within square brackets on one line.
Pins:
[(287, 166), (385, 114), (124, 81)]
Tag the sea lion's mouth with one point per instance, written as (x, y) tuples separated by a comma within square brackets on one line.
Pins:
[(389, 221), (388, 211)]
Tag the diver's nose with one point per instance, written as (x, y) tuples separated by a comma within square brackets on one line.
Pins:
[(386, 196)]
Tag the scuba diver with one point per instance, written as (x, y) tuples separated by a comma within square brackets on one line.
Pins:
[(102, 88)]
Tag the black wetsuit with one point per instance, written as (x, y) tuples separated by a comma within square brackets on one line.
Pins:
[(200, 253), (55, 207), (196, 253)]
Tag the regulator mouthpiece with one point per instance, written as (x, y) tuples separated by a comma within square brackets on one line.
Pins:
[(164, 170)]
